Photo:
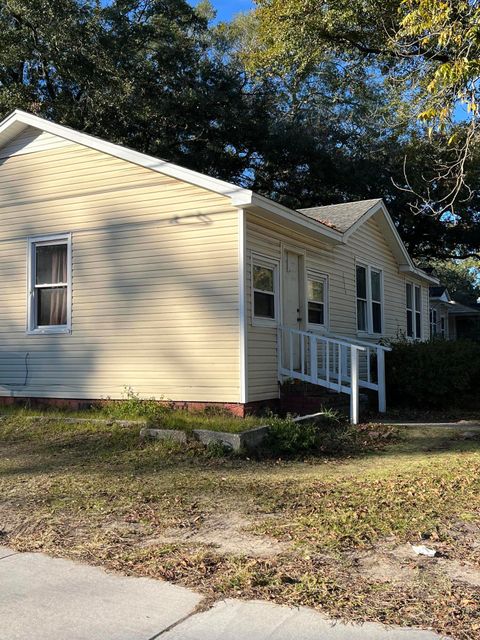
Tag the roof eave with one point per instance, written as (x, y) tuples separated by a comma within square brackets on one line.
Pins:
[(419, 273), (237, 194), (239, 197), (291, 217)]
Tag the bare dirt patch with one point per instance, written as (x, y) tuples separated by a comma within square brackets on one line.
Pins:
[(227, 533), (460, 571), (401, 565)]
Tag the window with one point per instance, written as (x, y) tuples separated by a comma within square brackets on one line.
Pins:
[(49, 284), (442, 327), (376, 293), (418, 312), (433, 323), (264, 287), (362, 315), (317, 299), (413, 295), (369, 299)]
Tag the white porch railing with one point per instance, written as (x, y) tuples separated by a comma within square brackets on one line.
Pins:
[(334, 362)]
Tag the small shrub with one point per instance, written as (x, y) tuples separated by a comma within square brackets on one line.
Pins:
[(217, 450), (291, 438), (328, 434), (132, 406), (213, 411), (432, 375)]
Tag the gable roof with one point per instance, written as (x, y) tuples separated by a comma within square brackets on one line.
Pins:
[(341, 216), (439, 293), (18, 120), (349, 216), (353, 214)]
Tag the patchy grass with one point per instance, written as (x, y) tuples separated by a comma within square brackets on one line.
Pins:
[(156, 415), (97, 493)]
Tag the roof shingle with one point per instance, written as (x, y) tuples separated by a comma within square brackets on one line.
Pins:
[(340, 216)]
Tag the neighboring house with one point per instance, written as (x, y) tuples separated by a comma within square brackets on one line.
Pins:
[(450, 319), (119, 269)]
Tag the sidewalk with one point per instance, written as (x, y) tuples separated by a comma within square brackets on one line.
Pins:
[(43, 598)]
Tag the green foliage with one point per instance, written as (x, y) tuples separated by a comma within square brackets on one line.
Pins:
[(159, 77), (425, 55), (291, 438), (328, 434), (431, 375), (146, 74), (430, 47), (132, 406), (462, 278)]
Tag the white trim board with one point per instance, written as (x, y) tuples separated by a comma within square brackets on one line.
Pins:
[(390, 233), (242, 274), (16, 122)]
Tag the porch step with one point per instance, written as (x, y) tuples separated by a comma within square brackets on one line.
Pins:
[(303, 398)]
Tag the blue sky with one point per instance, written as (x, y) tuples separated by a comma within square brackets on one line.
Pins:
[(228, 8)]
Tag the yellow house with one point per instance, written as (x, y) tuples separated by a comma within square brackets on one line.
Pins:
[(119, 269)]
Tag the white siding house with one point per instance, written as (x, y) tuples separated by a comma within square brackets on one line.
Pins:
[(119, 269)]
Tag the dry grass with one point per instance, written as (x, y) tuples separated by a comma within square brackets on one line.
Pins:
[(97, 493)]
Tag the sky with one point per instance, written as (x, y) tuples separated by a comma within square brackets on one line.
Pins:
[(226, 9)]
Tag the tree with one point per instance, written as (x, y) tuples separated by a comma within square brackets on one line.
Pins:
[(142, 73), (461, 278), (428, 51), (157, 76)]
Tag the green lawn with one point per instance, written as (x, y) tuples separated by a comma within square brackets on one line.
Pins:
[(323, 532), (145, 411)]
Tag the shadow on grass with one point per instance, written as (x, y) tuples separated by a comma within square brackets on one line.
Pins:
[(53, 447)]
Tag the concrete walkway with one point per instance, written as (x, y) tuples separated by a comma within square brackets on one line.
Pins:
[(464, 425), (43, 598)]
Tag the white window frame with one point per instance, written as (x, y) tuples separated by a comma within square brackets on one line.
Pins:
[(369, 331), (414, 310), (311, 274), (433, 322), (443, 327), (269, 263), (33, 242)]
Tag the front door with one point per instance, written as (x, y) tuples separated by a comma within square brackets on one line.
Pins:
[(292, 307)]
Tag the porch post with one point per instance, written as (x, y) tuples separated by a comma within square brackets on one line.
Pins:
[(354, 392), (382, 399), (313, 359)]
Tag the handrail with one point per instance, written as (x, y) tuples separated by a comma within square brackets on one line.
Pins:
[(332, 362), (364, 343), (329, 338)]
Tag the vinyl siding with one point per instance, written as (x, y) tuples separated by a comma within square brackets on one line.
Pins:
[(31, 140), (367, 246), (155, 285), (442, 312)]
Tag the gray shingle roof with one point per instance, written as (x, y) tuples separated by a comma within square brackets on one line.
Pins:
[(340, 216), (459, 309), (436, 292)]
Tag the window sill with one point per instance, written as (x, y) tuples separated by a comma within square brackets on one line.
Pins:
[(372, 336), (264, 322), (318, 328), (49, 331)]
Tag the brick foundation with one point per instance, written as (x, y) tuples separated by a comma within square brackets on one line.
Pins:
[(236, 409), (297, 400)]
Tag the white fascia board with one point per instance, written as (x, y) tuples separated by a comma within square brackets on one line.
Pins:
[(295, 217), (408, 265), (419, 273), (237, 194), (381, 208), (242, 198)]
